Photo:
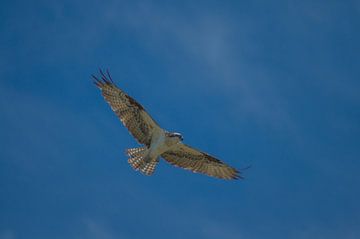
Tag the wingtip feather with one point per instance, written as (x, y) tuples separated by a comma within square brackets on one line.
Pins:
[(96, 81), (104, 79)]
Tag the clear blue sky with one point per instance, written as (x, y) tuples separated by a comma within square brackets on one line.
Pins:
[(274, 84)]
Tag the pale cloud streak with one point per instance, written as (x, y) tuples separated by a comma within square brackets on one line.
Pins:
[(213, 42), (7, 234)]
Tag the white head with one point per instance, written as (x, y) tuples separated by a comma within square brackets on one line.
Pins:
[(175, 135)]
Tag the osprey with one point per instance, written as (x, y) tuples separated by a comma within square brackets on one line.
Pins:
[(156, 141)]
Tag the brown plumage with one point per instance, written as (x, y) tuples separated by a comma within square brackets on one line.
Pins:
[(199, 162), (147, 132), (130, 112)]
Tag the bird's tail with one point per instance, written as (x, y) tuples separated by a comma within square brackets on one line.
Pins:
[(139, 160)]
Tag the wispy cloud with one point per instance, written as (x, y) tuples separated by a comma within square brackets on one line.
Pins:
[(214, 42), (96, 230), (8, 234), (218, 62)]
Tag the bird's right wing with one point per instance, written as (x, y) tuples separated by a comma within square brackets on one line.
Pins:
[(196, 161), (131, 113)]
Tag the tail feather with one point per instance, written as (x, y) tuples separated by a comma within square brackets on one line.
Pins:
[(139, 161), (135, 162), (136, 152), (149, 168)]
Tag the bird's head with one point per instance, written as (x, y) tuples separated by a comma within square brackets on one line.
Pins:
[(176, 135)]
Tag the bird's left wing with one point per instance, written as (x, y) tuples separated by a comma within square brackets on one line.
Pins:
[(131, 113), (199, 162)]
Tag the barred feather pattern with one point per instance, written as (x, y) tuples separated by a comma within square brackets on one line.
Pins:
[(131, 113), (135, 152), (138, 161), (149, 168), (199, 162)]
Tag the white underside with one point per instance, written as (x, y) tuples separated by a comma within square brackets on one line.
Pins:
[(160, 143)]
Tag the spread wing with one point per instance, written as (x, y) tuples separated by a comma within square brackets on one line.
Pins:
[(199, 162), (131, 113)]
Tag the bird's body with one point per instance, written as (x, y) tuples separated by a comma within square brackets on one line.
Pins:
[(160, 143), (157, 142)]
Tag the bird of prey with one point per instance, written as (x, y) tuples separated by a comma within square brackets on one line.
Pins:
[(156, 141)]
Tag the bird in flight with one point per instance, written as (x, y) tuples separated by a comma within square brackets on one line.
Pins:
[(157, 142)]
